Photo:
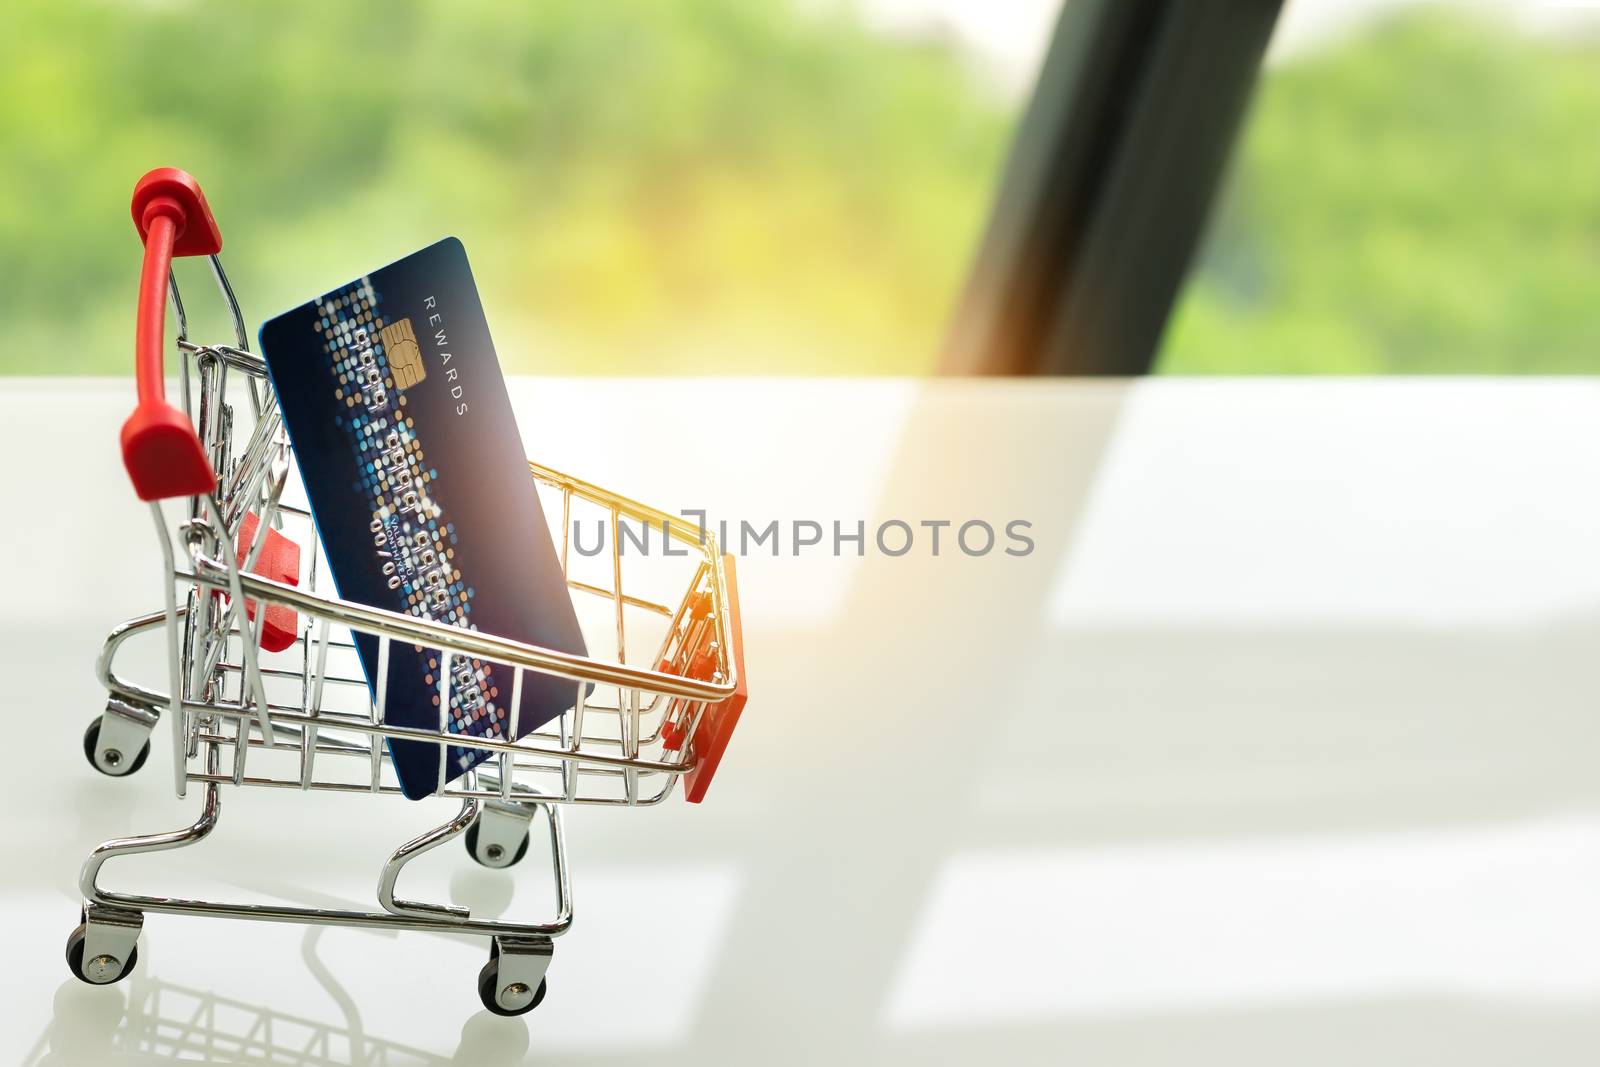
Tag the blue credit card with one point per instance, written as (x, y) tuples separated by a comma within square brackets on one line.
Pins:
[(414, 468)]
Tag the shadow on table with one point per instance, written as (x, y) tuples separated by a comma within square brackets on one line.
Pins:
[(150, 1020)]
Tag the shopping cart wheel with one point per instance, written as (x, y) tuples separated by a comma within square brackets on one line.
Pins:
[(494, 854), (515, 998), (113, 761), (104, 969)]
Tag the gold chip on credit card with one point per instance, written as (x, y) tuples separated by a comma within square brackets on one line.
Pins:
[(405, 357)]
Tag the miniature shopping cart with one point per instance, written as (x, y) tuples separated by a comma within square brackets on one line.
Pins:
[(264, 688)]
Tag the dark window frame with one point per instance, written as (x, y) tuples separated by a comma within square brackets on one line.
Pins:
[(1111, 177)]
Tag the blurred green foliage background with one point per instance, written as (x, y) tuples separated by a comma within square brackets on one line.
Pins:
[(753, 186), (1423, 198), (710, 186)]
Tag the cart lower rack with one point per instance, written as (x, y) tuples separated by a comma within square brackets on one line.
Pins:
[(263, 687)]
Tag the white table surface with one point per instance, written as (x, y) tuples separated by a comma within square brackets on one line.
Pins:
[(1280, 748)]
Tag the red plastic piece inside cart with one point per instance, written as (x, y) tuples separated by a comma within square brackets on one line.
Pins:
[(717, 723), (671, 735), (280, 561)]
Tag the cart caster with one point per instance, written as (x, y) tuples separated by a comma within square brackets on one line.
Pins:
[(105, 948), (112, 757), (499, 836), (519, 986)]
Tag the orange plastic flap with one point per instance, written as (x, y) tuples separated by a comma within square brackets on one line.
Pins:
[(716, 724)]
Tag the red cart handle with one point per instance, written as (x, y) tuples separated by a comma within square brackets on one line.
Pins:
[(160, 448)]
